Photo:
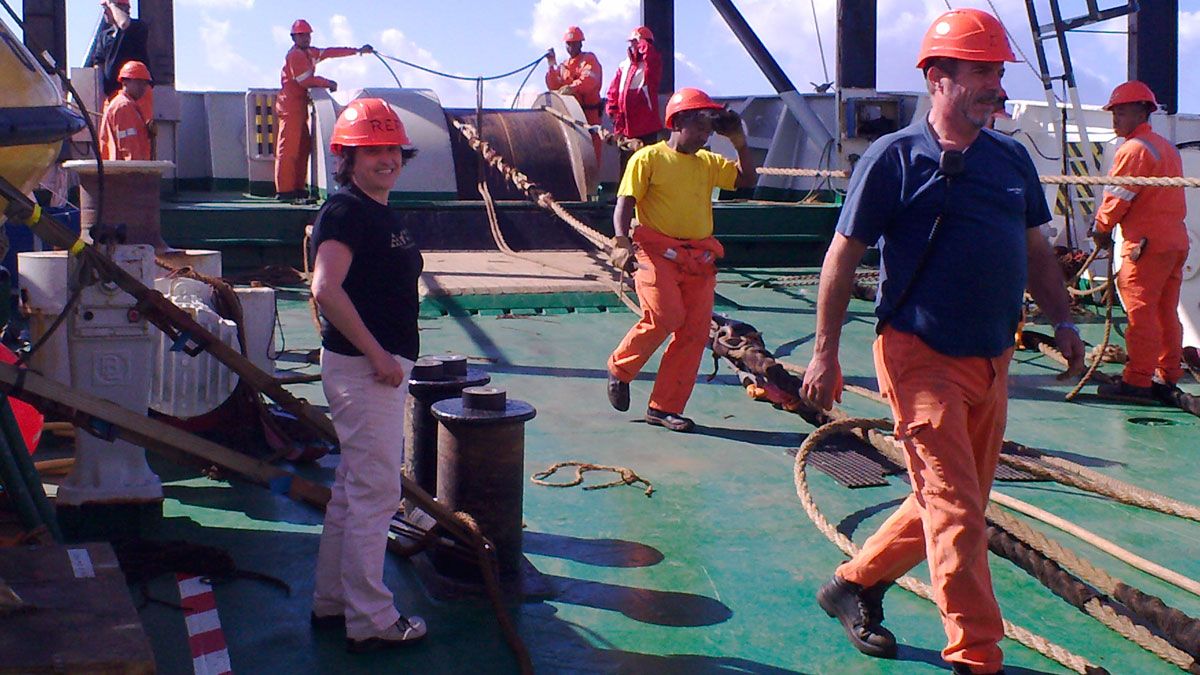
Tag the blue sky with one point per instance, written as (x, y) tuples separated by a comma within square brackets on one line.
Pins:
[(235, 44)]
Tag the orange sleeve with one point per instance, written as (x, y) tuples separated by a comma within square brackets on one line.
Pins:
[(1132, 159), (587, 75), (302, 69), (334, 52)]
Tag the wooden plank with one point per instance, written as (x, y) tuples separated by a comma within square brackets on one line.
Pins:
[(78, 618), (449, 273)]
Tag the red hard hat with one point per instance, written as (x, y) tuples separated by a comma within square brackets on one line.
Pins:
[(1132, 91), (133, 70), (367, 121), (301, 26), (967, 34), (689, 98), (573, 34), (641, 32)]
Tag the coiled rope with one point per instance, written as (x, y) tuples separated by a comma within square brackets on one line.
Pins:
[(1045, 562), (844, 425)]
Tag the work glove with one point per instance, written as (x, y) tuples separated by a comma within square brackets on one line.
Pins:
[(621, 254), (1103, 240), (550, 57), (366, 49), (566, 91), (729, 124), (332, 86)]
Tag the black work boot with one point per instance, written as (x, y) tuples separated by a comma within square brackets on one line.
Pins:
[(861, 612), (669, 420), (618, 393), (1119, 388)]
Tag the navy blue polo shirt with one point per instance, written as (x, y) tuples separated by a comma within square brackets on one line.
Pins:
[(967, 301)]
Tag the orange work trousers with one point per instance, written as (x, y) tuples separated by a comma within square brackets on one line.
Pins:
[(950, 414), (676, 302), (1154, 336), (293, 144)]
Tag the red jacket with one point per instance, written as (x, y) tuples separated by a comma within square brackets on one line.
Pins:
[(633, 95)]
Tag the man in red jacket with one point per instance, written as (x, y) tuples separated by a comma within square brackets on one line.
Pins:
[(294, 141), (633, 95), (580, 76)]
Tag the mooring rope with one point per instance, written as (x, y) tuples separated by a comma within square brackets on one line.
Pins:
[(606, 136), (1022, 635), (627, 476), (1012, 541), (1126, 181), (1110, 293)]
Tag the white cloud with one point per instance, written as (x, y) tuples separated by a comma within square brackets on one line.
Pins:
[(219, 4), (282, 36), (694, 72), (221, 55)]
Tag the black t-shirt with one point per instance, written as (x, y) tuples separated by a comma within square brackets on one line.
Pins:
[(382, 279), (118, 47)]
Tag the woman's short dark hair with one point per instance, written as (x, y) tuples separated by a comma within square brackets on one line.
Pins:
[(344, 174)]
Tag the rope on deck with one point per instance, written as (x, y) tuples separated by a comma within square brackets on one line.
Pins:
[(540, 197), (1129, 181), (627, 476), (1110, 293), (840, 426)]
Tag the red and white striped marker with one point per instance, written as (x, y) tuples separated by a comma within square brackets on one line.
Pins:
[(210, 656)]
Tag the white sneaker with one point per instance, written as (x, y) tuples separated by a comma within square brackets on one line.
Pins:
[(406, 630)]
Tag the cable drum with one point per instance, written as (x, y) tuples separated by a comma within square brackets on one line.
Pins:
[(557, 157)]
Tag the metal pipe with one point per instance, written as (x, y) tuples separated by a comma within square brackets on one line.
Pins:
[(11, 433)]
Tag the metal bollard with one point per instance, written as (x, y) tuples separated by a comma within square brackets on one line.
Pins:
[(481, 471), (433, 379)]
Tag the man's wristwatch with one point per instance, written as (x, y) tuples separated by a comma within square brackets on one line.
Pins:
[(1069, 325)]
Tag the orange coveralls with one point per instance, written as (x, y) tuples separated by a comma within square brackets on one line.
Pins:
[(123, 133), (931, 395), (1150, 285), (584, 76), (294, 141), (678, 271)]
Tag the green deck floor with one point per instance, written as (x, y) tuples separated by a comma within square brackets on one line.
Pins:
[(716, 572)]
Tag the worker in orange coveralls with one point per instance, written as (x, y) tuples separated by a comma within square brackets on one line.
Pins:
[(580, 76), (1155, 247), (945, 333), (294, 141), (124, 132), (669, 186), (632, 102)]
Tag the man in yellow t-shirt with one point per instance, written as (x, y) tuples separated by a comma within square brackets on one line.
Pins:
[(669, 186)]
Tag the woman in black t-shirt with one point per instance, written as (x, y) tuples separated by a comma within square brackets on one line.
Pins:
[(365, 285)]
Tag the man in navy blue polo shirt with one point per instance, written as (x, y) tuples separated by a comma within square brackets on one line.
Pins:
[(956, 210)]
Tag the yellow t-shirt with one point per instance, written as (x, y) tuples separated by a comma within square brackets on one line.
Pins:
[(674, 189)]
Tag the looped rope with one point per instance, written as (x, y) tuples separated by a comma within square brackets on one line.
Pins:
[(627, 476), (1097, 356), (1024, 636)]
